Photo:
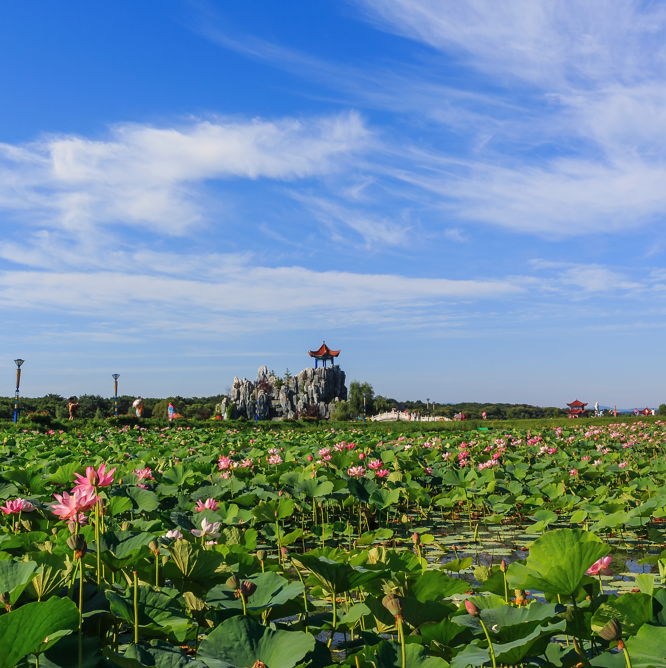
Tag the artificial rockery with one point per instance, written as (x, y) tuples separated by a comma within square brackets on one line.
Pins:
[(311, 393)]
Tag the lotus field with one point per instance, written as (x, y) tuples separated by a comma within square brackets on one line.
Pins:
[(250, 548)]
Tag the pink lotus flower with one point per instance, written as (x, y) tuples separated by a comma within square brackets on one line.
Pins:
[(382, 473), (623, 465), (209, 504), (224, 463), (207, 529), (93, 479), (246, 463), (144, 474), (141, 485), (324, 451), (375, 464), (600, 566), (174, 533), (17, 506), (69, 506), (274, 460), (573, 472), (356, 472)]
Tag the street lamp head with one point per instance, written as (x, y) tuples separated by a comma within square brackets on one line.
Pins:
[(18, 363), (428, 400), (115, 376), (364, 394)]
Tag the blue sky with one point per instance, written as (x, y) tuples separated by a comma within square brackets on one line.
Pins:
[(466, 198)]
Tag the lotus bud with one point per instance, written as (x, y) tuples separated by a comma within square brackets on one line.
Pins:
[(361, 455), (78, 544), (415, 538), (392, 603), (471, 608), (233, 582), (248, 588), (503, 566), (612, 630), (125, 526), (54, 531), (261, 555), (285, 552), (310, 458)]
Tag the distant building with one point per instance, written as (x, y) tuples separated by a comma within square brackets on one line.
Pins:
[(577, 409)]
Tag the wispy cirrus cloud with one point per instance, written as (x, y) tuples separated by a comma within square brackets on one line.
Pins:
[(152, 177)]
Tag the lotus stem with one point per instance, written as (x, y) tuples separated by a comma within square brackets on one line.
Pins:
[(136, 609), (490, 643), (335, 618), (626, 653), (97, 516), (157, 570), (401, 635), (80, 640)]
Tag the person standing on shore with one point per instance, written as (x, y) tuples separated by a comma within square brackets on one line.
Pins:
[(172, 411), (138, 406)]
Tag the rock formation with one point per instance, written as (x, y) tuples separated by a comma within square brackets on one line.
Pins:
[(312, 392)]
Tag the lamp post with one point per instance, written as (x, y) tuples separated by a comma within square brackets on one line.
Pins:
[(115, 377), (256, 401), (364, 410), (18, 382), (428, 409)]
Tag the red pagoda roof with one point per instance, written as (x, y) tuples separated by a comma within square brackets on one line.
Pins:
[(323, 351), (646, 411), (577, 403)]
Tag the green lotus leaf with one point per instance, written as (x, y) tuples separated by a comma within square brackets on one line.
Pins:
[(388, 655), (158, 613), (55, 573), (15, 576), (632, 610), (558, 561), (334, 576), (23, 630), (272, 590), (239, 642)]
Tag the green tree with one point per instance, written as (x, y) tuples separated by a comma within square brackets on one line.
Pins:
[(341, 412), (382, 405), (662, 409), (355, 398)]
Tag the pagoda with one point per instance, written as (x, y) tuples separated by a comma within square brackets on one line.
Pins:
[(577, 409), (324, 353), (645, 411)]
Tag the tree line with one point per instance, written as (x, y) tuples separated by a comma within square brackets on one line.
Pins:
[(94, 406), (353, 407)]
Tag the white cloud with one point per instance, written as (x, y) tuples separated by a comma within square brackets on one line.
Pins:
[(151, 177), (241, 296)]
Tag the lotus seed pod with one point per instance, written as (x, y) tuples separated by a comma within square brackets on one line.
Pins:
[(392, 603), (154, 547), (471, 608), (261, 555), (612, 630), (78, 544), (233, 582), (248, 588)]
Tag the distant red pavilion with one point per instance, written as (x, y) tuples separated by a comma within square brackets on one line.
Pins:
[(577, 409), (645, 411), (324, 353)]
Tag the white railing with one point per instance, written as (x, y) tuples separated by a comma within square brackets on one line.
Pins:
[(394, 416)]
